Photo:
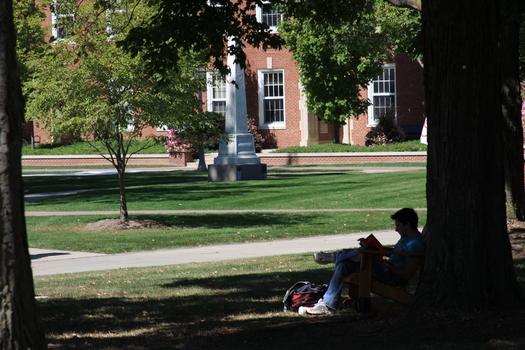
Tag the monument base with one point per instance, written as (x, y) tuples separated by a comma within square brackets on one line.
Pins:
[(236, 172)]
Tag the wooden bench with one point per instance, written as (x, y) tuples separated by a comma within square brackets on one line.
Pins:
[(362, 285)]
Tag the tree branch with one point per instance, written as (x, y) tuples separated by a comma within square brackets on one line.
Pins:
[(413, 4)]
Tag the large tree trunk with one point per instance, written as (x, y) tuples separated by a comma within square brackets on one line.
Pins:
[(469, 260), (19, 323), (511, 110)]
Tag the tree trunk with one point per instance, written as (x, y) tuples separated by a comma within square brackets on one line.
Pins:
[(202, 159), (19, 323), (121, 170), (511, 110), (337, 131), (469, 261)]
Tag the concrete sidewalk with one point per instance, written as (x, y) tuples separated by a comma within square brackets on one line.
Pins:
[(49, 262)]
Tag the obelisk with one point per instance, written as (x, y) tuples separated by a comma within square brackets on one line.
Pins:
[(237, 159)]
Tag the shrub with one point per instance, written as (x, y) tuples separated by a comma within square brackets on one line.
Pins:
[(177, 141), (258, 139), (385, 132)]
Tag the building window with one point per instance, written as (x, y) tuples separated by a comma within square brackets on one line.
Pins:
[(271, 97), (62, 18), (216, 93), (382, 94), (115, 16), (269, 14)]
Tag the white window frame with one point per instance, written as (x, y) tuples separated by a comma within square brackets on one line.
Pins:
[(281, 124), (211, 88), (55, 19), (372, 93), (259, 15), (115, 11)]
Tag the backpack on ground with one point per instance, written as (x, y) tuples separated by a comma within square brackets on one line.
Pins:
[(303, 293)]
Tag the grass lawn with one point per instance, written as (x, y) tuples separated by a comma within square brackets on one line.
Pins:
[(238, 305), (181, 190)]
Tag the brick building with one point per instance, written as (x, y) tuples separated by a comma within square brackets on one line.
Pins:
[(276, 103)]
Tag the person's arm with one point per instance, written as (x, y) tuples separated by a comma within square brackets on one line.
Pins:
[(411, 266)]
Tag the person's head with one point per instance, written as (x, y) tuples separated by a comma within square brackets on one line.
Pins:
[(406, 216)]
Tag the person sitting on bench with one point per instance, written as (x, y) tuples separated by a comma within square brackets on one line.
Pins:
[(395, 271)]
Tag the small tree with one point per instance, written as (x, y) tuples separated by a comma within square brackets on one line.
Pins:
[(86, 86)]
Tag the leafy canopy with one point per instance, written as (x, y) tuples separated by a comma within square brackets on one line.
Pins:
[(85, 85), (337, 59)]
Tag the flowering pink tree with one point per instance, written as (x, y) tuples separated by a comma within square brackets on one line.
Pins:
[(523, 115), (205, 130), (177, 141)]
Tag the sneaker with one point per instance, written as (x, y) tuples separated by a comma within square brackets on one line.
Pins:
[(302, 310), (319, 309), (324, 258)]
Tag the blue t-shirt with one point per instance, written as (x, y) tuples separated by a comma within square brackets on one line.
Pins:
[(414, 244)]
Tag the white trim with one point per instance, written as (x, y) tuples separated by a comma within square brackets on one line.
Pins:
[(210, 78), (259, 16), (56, 15), (372, 121), (262, 121)]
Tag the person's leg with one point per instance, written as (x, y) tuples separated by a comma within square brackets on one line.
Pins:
[(335, 257), (342, 268), (347, 255)]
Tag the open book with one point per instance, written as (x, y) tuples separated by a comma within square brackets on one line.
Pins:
[(371, 242)]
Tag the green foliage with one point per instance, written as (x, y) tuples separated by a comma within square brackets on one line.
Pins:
[(332, 69), (337, 59), (198, 25), (206, 131), (31, 43), (403, 28), (408, 146), (88, 86)]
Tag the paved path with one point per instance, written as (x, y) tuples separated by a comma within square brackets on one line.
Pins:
[(49, 262)]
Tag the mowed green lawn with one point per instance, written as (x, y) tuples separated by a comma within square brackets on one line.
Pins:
[(190, 191), (316, 191)]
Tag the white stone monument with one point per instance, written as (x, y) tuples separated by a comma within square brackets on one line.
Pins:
[(237, 159)]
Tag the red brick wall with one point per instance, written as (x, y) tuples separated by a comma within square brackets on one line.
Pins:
[(410, 99), (280, 59)]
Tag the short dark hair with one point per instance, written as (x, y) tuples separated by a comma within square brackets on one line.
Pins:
[(406, 215)]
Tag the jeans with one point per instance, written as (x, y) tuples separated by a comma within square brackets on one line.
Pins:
[(345, 264)]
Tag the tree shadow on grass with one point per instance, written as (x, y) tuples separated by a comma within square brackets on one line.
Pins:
[(189, 321), (157, 188), (244, 312), (236, 220)]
